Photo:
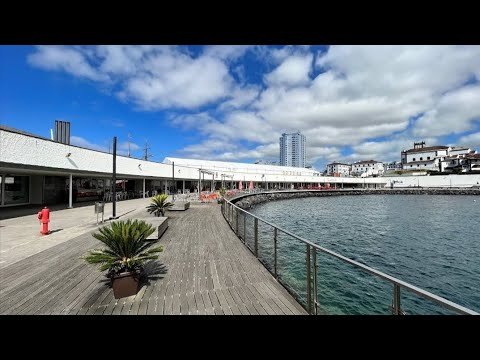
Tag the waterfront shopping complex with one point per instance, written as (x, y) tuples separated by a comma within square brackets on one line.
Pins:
[(39, 171)]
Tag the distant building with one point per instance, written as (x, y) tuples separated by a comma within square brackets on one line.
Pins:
[(464, 162), (458, 150), (338, 169), (393, 166), (432, 158), (367, 168), (292, 150)]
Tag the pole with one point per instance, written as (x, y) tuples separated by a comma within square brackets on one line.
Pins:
[(70, 193), (199, 180), (173, 180), (114, 179), (144, 188)]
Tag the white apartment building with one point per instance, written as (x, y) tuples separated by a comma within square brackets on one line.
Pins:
[(338, 169), (367, 168), (423, 157), (458, 150), (464, 162), (293, 150)]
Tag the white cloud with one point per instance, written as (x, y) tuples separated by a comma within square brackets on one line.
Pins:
[(153, 77), (292, 71), (472, 140), (124, 146), (82, 142), (65, 59), (454, 113), (226, 52)]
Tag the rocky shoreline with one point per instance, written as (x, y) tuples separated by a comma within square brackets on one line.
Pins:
[(249, 200)]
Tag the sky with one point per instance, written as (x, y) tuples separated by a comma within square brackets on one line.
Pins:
[(232, 103)]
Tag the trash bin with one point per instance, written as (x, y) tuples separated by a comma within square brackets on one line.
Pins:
[(99, 209)]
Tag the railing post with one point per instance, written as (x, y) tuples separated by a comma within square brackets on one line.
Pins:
[(309, 279), (255, 230), (396, 309), (315, 271), (236, 221), (275, 251), (244, 228)]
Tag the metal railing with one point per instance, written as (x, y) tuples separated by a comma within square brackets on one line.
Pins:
[(231, 213)]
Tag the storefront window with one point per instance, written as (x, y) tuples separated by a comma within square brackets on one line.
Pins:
[(16, 189)]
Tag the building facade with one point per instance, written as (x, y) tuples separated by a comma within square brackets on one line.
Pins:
[(423, 157), (367, 168), (293, 150), (338, 169)]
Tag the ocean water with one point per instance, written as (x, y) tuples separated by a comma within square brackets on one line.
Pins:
[(432, 242)]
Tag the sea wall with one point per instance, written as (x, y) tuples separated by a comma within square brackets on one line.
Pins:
[(249, 200)]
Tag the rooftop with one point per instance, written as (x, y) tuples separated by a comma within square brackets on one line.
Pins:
[(426, 149), (365, 162), (338, 163)]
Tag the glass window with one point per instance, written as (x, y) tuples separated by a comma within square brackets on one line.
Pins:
[(16, 189)]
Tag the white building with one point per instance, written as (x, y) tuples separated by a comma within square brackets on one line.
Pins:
[(424, 157), (464, 162), (393, 166), (338, 169), (459, 150), (293, 150), (367, 168)]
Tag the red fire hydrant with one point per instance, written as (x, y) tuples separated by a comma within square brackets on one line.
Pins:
[(44, 217)]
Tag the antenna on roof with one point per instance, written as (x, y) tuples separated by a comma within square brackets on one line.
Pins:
[(128, 142), (146, 155)]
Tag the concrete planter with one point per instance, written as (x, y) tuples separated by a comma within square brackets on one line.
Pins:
[(180, 206)]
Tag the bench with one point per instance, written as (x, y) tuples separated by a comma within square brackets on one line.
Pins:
[(180, 206), (158, 222)]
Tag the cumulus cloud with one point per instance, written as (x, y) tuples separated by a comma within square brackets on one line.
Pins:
[(292, 71), (472, 140), (65, 59), (343, 97), (82, 142), (152, 77), (453, 113)]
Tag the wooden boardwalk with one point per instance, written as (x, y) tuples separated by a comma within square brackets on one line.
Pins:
[(204, 269)]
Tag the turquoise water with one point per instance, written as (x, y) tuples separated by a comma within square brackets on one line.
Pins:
[(432, 242)]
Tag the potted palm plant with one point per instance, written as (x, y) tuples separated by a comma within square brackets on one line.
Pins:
[(127, 249), (159, 205)]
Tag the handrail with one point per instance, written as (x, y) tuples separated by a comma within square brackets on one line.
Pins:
[(400, 283)]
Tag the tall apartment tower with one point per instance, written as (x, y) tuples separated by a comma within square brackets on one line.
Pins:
[(292, 150)]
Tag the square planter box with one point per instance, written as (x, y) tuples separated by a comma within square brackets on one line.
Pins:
[(125, 284), (180, 206)]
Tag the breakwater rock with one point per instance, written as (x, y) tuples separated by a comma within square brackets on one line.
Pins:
[(246, 201)]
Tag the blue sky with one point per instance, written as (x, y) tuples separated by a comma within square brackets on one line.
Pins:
[(233, 102)]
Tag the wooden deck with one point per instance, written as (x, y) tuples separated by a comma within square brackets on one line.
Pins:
[(204, 269)]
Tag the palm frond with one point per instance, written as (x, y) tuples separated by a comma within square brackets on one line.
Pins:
[(126, 246)]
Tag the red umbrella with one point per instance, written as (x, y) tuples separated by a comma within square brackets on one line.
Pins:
[(250, 187), (240, 185)]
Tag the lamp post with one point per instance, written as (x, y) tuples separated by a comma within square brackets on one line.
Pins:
[(114, 179), (173, 180)]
